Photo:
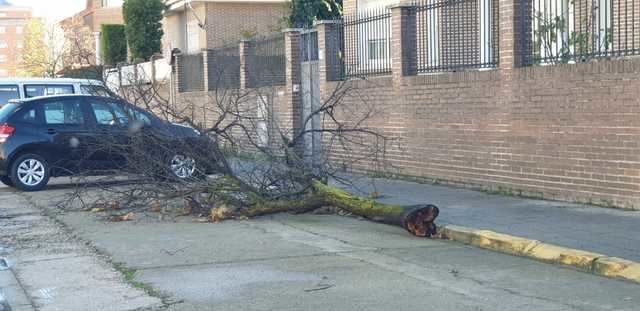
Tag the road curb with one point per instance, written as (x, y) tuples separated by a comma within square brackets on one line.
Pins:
[(595, 263)]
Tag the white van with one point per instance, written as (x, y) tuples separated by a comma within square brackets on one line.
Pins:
[(19, 88)]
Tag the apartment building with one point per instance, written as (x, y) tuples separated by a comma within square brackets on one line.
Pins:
[(192, 26), (12, 23), (91, 19)]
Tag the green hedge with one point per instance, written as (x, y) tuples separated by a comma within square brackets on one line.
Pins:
[(113, 44)]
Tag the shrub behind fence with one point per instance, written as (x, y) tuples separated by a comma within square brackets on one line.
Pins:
[(565, 31)]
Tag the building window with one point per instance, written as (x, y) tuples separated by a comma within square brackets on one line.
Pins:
[(3, 58), (3, 45), (19, 29), (377, 49), (193, 37), (3, 29), (19, 45), (3, 14)]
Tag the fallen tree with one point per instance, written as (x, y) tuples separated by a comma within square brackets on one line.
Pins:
[(240, 173)]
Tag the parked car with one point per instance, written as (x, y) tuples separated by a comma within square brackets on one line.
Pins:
[(51, 136), (19, 88)]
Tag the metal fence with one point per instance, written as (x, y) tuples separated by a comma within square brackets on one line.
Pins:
[(456, 34), (366, 47), (567, 31), (224, 67), (309, 45), (266, 62), (190, 73)]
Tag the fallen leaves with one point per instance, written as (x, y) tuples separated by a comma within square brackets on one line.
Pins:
[(104, 206), (126, 217), (217, 214)]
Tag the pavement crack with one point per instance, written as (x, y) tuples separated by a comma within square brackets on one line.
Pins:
[(231, 262)]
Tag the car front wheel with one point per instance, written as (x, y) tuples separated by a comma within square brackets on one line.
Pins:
[(30, 172), (183, 167)]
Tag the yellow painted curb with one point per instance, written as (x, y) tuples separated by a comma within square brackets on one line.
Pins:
[(587, 261), (566, 256), (504, 243), (456, 233), (618, 268)]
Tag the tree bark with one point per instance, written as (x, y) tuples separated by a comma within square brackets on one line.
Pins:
[(417, 219)]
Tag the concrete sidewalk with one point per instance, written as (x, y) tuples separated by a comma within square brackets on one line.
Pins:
[(601, 230)]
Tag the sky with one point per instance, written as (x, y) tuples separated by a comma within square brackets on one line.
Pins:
[(52, 10)]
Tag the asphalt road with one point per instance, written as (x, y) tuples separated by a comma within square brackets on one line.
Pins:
[(284, 262)]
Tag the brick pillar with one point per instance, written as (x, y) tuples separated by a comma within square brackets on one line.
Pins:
[(205, 69), (515, 33), (291, 113), (246, 50), (403, 41), (329, 37)]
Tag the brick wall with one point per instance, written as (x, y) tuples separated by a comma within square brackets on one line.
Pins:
[(226, 22), (570, 132)]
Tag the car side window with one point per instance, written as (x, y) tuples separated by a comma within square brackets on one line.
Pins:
[(103, 114), (8, 92), (63, 112), (95, 90), (33, 90), (29, 116), (121, 116), (139, 115)]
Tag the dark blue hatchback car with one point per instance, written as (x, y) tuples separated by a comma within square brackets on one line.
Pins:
[(62, 135)]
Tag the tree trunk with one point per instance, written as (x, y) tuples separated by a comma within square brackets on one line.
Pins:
[(417, 219)]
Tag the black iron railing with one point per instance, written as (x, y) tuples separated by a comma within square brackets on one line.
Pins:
[(366, 43), (456, 34), (567, 31), (266, 62), (309, 45), (224, 67), (190, 73)]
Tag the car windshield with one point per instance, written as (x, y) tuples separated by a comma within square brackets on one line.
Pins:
[(6, 111), (8, 92)]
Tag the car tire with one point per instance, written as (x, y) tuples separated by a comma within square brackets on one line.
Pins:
[(30, 172), (7, 181)]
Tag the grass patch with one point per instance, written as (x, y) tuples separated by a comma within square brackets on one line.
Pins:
[(129, 275)]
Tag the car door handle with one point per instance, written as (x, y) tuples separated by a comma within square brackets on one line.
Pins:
[(51, 131)]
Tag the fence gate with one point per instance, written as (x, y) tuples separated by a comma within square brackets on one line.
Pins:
[(310, 94)]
